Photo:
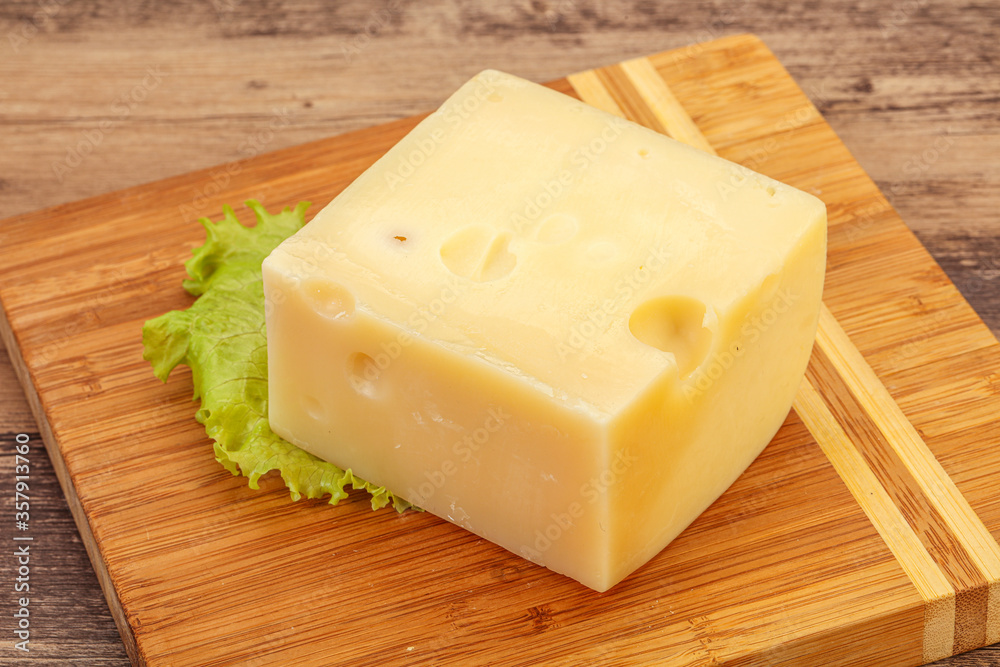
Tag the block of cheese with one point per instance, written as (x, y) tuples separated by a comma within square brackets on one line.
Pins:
[(555, 328)]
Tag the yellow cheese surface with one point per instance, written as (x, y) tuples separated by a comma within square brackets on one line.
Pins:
[(553, 327)]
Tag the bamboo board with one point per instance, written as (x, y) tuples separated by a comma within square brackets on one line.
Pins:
[(864, 534)]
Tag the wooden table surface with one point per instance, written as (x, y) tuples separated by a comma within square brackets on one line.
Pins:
[(98, 95)]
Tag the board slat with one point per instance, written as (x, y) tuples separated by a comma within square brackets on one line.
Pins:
[(935, 589), (795, 563)]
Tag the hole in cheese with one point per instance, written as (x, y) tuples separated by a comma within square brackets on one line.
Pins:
[(330, 300), (363, 374), (603, 251), (768, 289), (478, 252), (313, 407), (673, 324)]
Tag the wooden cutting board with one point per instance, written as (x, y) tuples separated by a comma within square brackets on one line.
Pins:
[(864, 534)]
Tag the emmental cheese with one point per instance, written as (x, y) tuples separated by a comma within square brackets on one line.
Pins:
[(550, 326)]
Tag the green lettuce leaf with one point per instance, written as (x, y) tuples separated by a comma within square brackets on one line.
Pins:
[(221, 337)]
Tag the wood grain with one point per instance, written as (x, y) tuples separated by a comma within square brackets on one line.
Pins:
[(855, 604), (889, 79)]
